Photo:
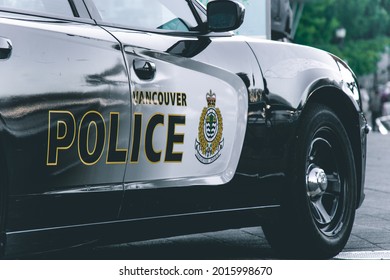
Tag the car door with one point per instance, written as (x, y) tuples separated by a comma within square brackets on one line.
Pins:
[(65, 115), (189, 117)]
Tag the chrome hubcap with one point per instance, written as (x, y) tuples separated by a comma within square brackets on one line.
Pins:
[(317, 182), (324, 184)]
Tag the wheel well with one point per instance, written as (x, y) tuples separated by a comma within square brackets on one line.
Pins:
[(345, 110)]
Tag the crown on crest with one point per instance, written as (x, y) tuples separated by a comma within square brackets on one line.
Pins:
[(211, 99)]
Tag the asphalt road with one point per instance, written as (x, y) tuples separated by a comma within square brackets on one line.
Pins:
[(370, 237)]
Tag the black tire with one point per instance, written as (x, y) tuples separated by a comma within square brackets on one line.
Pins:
[(318, 209)]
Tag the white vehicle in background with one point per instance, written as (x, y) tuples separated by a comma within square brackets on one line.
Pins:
[(270, 19), (281, 19)]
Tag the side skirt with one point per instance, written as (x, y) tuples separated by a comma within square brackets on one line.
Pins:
[(53, 239)]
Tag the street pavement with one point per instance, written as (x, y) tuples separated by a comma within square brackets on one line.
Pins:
[(370, 238), (371, 231)]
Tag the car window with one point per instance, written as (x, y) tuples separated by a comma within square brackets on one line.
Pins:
[(174, 15), (54, 7)]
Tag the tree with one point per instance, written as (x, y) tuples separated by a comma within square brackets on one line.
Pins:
[(317, 23), (367, 23)]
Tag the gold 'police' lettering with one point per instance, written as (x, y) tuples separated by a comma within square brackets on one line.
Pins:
[(92, 136), (174, 138), (136, 138), (61, 134), (151, 154), (115, 155), (92, 125)]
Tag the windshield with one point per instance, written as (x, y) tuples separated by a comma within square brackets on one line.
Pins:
[(54, 7), (151, 14)]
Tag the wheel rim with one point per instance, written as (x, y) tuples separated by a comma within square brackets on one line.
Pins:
[(326, 184)]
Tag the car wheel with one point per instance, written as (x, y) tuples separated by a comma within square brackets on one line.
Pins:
[(318, 209)]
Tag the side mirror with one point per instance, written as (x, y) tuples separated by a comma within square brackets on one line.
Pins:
[(224, 15)]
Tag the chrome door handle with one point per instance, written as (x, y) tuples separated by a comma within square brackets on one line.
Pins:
[(144, 69), (5, 48)]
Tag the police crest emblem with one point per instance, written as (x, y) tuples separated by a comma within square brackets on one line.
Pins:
[(210, 140)]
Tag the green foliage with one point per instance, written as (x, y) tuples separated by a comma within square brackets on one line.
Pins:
[(367, 23), (317, 21)]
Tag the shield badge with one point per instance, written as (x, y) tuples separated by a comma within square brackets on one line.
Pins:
[(210, 140)]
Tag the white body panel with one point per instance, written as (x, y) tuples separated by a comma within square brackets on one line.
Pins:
[(190, 82)]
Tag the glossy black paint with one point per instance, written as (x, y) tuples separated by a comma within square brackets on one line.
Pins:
[(56, 70), (77, 67)]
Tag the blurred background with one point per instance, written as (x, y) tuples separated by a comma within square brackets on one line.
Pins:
[(358, 31)]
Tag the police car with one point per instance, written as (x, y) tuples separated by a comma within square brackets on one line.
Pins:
[(127, 120)]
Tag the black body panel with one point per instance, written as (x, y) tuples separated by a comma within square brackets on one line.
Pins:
[(57, 73)]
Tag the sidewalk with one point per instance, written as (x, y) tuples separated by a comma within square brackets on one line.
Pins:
[(371, 231)]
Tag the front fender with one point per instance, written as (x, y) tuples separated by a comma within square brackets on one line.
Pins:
[(293, 72)]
